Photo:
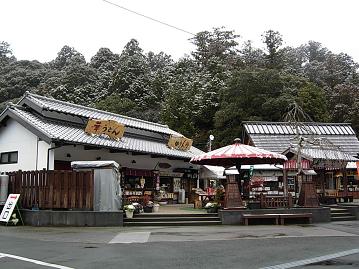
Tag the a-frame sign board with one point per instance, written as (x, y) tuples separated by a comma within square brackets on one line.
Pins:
[(9, 207)]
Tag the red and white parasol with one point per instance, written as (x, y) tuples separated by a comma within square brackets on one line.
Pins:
[(238, 154)]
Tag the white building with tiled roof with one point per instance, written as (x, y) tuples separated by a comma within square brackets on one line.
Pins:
[(41, 132)]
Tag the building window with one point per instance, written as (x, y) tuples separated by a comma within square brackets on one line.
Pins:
[(8, 157)]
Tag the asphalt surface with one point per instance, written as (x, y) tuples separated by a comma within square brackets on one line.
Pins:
[(179, 247)]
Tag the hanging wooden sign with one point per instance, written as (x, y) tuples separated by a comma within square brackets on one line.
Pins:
[(111, 128), (181, 143)]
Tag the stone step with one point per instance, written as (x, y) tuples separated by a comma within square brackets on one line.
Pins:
[(173, 223), (343, 218), (338, 210), (158, 219), (164, 219), (340, 214), (159, 215)]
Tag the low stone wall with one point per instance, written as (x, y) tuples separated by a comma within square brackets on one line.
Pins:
[(234, 216), (71, 218)]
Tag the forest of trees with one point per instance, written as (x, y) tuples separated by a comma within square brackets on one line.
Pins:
[(211, 91)]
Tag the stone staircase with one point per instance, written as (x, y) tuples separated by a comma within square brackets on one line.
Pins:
[(340, 214), (155, 219)]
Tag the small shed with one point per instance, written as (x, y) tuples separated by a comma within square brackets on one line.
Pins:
[(107, 183)]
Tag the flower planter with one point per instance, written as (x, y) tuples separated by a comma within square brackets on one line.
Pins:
[(129, 214), (148, 209), (156, 207), (212, 210)]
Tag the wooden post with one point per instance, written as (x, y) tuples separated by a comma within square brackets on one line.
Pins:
[(65, 197), (322, 176), (80, 190), (73, 185), (345, 182), (51, 188), (285, 182)]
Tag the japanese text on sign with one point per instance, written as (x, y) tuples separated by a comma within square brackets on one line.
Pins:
[(9, 207), (181, 143), (111, 128)]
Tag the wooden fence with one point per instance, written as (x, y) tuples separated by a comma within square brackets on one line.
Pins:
[(53, 189)]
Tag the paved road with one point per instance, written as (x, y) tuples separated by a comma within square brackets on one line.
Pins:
[(180, 247)]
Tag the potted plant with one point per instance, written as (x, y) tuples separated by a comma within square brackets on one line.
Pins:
[(211, 207), (129, 209), (156, 207), (138, 208), (149, 207)]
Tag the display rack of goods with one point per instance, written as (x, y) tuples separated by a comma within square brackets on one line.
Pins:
[(133, 192)]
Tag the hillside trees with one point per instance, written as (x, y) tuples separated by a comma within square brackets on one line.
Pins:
[(221, 84), (6, 56), (138, 83), (17, 77), (344, 104), (273, 41)]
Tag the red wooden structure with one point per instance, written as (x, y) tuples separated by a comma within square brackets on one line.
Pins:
[(54, 189)]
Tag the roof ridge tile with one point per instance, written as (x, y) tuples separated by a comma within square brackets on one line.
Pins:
[(90, 108)]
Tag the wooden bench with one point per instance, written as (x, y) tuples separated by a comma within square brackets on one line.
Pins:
[(247, 217), (278, 218), (305, 216)]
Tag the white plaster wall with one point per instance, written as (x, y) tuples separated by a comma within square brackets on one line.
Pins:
[(125, 160), (42, 155), (15, 137)]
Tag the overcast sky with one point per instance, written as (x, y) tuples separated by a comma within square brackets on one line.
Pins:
[(38, 29)]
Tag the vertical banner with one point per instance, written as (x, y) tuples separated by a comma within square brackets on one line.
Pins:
[(9, 207), (176, 184)]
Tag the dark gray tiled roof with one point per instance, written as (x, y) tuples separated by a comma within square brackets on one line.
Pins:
[(45, 103), (72, 133), (324, 154), (277, 137), (307, 128)]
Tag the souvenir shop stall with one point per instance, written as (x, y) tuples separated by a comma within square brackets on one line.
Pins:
[(163, 187), (259, 179)]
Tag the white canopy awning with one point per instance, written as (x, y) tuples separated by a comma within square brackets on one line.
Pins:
[(211, 172), (260, 167), (94, 164)]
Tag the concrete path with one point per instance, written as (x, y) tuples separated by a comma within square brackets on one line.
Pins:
[(118, 235), (207, 247)]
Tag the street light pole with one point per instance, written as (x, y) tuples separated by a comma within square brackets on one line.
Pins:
[(211, 137)]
